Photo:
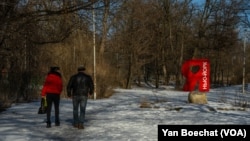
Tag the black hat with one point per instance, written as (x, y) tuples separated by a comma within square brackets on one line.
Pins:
[(81, 68), (54, 68)]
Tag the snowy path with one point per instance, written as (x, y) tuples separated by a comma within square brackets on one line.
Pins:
[(120, 117)]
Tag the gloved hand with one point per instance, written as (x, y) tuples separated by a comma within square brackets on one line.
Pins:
[(68, 94)]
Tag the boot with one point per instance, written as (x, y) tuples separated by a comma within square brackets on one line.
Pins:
[(76, 125), (57, 124), (80, 126), (48, 124)]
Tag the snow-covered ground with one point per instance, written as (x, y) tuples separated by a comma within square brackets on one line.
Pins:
[(121, 118)]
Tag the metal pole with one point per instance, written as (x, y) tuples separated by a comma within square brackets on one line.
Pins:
[(25, 53), (94, 55), (244, 65)]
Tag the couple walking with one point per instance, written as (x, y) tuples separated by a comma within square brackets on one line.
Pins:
[(80, 86)]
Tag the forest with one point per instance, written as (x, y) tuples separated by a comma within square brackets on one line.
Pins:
[(120, 42)]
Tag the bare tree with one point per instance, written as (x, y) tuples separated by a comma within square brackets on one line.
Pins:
[(217, 34), (24, 26)]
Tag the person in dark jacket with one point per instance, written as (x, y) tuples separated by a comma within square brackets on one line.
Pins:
[(80, 87), (51, 91)]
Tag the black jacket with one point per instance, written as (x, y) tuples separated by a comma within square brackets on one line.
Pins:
[(80, 84)]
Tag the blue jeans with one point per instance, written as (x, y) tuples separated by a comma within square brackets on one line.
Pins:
[(79, 102)]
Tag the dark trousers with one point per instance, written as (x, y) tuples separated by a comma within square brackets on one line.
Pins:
[(53, 98)]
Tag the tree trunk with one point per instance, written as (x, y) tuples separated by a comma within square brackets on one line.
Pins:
[(105, 28)]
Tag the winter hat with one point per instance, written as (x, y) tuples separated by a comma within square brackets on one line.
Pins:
[(81, 68), (54, 68)]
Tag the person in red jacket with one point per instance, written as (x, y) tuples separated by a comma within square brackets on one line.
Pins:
[(52, 89)]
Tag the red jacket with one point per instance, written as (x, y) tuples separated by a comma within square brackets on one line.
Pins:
[(53, 84)]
